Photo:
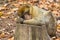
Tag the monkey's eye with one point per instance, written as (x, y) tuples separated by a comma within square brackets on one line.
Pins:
[(22, 17)]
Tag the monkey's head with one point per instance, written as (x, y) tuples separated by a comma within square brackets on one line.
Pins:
[(24, 12)]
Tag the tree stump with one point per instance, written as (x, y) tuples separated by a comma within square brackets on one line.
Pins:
[(31, 32)]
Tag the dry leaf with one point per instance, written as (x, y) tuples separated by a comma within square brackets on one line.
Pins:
[(11, 38)]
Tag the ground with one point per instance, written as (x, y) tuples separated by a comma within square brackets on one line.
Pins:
[(8, 22)]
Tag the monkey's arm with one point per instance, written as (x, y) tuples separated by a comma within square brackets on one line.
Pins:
[(34, 21), (30, 21)]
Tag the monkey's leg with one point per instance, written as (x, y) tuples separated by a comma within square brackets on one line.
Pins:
[(51, 25)]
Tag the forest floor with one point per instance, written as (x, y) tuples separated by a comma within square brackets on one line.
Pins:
[(8, 24)]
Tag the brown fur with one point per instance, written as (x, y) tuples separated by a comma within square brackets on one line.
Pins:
[(39, 17)]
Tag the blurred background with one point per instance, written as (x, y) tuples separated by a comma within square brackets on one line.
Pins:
[(8, 15)]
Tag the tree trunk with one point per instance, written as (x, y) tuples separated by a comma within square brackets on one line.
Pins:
[(31, 32)]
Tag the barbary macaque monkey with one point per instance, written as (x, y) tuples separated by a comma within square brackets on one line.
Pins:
[(36, 16)]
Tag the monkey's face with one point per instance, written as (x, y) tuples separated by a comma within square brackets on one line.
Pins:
[(24, 12)]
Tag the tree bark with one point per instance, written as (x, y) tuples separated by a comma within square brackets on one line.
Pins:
[(31, 32)]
